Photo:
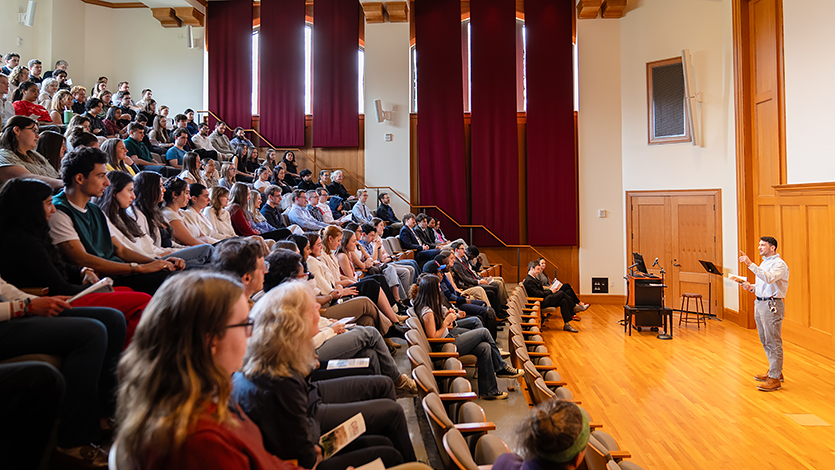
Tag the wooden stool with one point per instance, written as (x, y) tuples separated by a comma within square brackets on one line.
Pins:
[(685, 310)]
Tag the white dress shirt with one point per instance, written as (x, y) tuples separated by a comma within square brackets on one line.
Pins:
[(772, 277)]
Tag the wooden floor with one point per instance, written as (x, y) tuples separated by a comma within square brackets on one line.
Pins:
[(692, 402)]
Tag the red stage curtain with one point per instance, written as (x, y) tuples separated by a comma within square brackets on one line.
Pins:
[(495, 155), (229, 36), (281, 46), (552, 166), (336, 73), (443, 179)]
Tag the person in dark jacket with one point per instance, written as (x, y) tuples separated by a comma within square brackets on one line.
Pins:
[(409, 241), (471, 307), (550, 297)]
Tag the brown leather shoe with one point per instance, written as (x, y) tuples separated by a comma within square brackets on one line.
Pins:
[(764, 377), (769, 385), (392, 344)]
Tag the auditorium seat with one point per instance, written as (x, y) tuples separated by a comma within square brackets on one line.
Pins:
[(487, 449)]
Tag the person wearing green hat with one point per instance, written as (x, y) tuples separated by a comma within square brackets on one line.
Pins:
[(553, 436)]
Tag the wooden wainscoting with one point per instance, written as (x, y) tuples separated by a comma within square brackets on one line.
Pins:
[(802, 218)]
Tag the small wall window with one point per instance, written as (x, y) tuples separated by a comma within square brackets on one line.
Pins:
[(667, 110)]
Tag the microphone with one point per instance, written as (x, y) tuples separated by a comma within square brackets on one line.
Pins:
[(655, 263), (630, 267)]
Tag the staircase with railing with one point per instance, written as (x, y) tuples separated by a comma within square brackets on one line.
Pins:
[(521, 271)]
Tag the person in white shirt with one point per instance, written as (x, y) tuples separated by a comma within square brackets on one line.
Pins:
[(201, 140), (176, 198), (361, 212), (262, 175), (6, 108), (219, 219), (770, 288), (327, 215)]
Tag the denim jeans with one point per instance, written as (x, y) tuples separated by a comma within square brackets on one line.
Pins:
[(412, 264), (477, 341), (769, 327)]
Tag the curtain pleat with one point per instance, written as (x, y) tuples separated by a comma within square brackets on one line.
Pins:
[(229, 37)]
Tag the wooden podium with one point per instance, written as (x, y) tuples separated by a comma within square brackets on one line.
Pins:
[(645, 304)]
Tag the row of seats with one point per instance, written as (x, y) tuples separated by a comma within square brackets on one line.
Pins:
[(544, 382)]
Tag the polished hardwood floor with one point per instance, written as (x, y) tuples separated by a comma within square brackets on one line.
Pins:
[(692, 403)]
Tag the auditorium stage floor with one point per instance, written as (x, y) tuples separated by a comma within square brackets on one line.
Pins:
[(692, 402)]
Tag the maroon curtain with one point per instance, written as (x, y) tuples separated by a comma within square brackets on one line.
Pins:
[(443, 179), (495, 154), (229, 36), (552, 166), (281, 46), (336, 73)]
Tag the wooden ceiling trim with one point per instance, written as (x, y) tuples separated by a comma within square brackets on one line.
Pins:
[(588, 9), (613, 8), (167, 17)]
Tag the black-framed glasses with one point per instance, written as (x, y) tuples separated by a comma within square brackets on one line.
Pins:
[(247, 326)]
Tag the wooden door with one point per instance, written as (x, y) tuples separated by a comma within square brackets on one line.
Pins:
[(679, 228)]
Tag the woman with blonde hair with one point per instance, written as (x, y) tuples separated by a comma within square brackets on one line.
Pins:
[(227, 176), (49, 86), (219, 218), (291, 411), (61, 101), (174, 408), (242, 217)]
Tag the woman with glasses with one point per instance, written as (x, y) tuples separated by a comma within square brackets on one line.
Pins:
[(174, 406), (18, 158)]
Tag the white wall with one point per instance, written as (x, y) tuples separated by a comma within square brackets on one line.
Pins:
[(654, 31), (387, 79), (809, 73), (601, 187)]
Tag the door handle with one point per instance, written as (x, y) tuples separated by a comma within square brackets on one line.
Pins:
[(676, 264)]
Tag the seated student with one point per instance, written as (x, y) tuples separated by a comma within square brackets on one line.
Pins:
[(270, 160), (62, 101), (325, 208), (159, 135), (79, 228), (52, 146), (289, 161), (241, 217), (140, 154), (438, 322), (451, 299), (79, 139), (337, 189), (92, 109), (373, 246), (28, 258), (262, 177), (12, 60), (344, 257), (466, 278), (243, 259), (123, 102), (240, 139), (564, 287), (324, 180), (113, 123), (79, 94), (30, 400), (181, 122), (174, 156), (477, 292), (291, 411), (25, 102), (335, 204), (149, 110), (146, 95), (18, 158), (383, 255), (117, 157), (19, 75), (259, 222), (217, 216), (221, 142), (176, 198), (551, 297), (313, 205), (424, 233), (299, 215), (48, 87), (306, 182), (553, 435), (247, 163), (409, 241), (228, 176), (210, 174), (193, 213), (271, 210), (62, 77), (203, 427), (398, 280), (360, 212), (35, 70), (89, 340), (200, 139), (278, 179), (117, 201), (386, 214), (334, 341), (191, 169)]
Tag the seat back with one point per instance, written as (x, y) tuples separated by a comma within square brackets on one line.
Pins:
[(425, 380), (552, 376), (596, 455), (471, 413), (439, 422), (414, 338), (417, 356), (458, 451), (387, 246), (488, 448), (413, 322), (395, 244), (541, 392), (460, 385), (563, 393)]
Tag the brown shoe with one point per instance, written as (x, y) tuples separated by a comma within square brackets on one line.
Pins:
[(391, 343), (764, 377), (770, 385)]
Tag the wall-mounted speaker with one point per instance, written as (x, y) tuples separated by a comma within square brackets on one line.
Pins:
[(28, 18)]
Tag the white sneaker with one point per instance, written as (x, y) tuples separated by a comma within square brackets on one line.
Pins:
[(504, 353)]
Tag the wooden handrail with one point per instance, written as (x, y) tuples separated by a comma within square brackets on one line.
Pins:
[(412, 206)]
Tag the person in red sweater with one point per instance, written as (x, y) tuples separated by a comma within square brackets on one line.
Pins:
[(174, 405), (25, 102)]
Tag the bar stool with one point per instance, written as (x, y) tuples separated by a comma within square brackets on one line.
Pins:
[(685, 310)]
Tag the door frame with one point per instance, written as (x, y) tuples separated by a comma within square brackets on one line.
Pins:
[(717, 285)]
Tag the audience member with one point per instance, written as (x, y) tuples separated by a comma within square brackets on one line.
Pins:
[(174, 155), (337, 189), (191, 169), (243, 259), (113, 123), (35, 70), (277, 179), (253, 207), (262, 175), (247, 163), (241, 217), (228, 176), (198, 323), (79, 95), (117, 157), (450, 299), (270, 159), (299, 215), (210, 174), (217, 216), (360, 212), (26, 103), (221, 142), (19, 75), (386, 214), (159, 135), (271, 210), (313, 205), (306, 182), (60, 65), (324, 180), (52, 146), (409, 241), (79, 228), (122, 100), (176, 197), (58, 107), (563, 287), (551, 297), (146, 95), (48, 88), (62, 77), (139, 153), (289, 161), (553, 435), (18, 158), (241, 140), (79, 138), (192, 125), (11, 60), (6, 107), (93, 108), (438, 322)]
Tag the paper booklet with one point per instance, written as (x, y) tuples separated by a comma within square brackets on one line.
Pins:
[(374, 465), (356, 363), (345, 320), (342, 435), (104, 285), (737, 279), (557, 284)]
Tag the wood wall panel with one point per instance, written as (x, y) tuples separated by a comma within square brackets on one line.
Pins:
[(819, 235)]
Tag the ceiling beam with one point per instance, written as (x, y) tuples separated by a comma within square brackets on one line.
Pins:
[(167, 17), (373, 12), (588, 9), (613, 8), (190, 16), (398, 12)]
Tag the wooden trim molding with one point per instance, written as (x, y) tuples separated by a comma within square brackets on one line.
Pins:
[(373, 12), (613, 8), (398, 12), (588, 9), (190, 16), (167, 17), (103, 3), (817, 189), (604, 299)]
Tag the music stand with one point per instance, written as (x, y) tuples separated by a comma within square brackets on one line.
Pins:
[(711, 269)]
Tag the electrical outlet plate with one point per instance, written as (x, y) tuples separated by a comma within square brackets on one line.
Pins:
[(600, 285)]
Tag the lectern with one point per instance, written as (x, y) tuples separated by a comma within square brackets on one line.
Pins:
[(645, 304)]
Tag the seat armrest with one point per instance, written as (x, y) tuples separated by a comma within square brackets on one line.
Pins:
[(529, 316), (595, 425), (530, 309), (531, 333), (620, 454), (449, 373), (41, 291), (535, 299), (442, 355), (441, 340), (534, 343), (538, 354), (555, 383), (464, 396), (539, 367), (475, 427)]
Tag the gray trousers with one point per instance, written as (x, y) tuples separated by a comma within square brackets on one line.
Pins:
[(361, 341), (770, 328)]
